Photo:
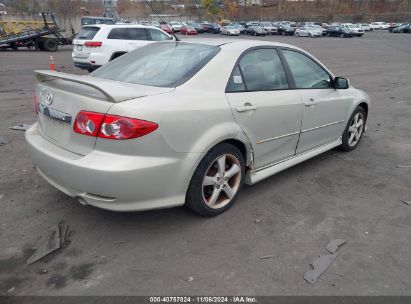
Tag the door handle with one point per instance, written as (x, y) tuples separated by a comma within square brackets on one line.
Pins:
[(310, 102), (246, 107)]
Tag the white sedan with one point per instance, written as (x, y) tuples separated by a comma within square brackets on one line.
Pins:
[(230, 31), (180, 123)]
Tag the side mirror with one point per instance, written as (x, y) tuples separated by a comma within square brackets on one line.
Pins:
[(341, 83)]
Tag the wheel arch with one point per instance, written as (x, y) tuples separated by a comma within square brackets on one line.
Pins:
[(116, 55), (364, 105), (239, 140)]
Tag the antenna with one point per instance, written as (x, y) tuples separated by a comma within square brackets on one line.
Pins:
[(161, 19)]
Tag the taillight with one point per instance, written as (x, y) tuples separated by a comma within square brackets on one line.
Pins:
[(111, 126), (93, 43), (36, 104), (88, 123)]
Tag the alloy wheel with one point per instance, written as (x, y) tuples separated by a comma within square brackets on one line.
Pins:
[(221, 181), (355, 129)]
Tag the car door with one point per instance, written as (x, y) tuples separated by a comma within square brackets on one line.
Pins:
[(119, 39), (304, 31), (335, 31), (268, 112), (324, 107)]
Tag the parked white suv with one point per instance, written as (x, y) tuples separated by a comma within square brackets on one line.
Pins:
[(97, 44)]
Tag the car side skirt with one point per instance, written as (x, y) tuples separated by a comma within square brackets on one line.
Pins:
[(257, 175)]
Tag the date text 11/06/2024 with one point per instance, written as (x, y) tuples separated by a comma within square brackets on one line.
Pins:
[(205, 299)]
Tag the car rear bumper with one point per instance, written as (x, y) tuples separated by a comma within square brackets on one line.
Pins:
[(113, 181), (85, 65)]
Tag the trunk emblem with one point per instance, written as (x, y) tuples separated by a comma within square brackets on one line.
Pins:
[(49, 98)]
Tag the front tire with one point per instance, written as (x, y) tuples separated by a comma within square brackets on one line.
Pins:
[(217, 181), (354, 130)]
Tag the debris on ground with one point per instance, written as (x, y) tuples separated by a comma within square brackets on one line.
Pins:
[(320, 264), (405, 202), (399, 166), (3, 141), (22, 127), (57, 239), (334, 244), (267, 257)]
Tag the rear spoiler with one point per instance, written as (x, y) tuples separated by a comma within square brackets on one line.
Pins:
[(114, 91)]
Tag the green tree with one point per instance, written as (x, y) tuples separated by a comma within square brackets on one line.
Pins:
[(211, 7)]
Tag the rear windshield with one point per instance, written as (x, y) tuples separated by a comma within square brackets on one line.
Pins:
[(162, 64), (87, 32)]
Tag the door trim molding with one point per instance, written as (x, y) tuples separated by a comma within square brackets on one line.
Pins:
[(277, 137), (322, 126)]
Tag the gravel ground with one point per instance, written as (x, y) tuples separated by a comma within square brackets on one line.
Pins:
[(292, 216)]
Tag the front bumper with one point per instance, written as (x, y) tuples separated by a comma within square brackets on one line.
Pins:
[(114, 181)]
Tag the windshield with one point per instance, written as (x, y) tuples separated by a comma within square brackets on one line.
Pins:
[(163, 64)]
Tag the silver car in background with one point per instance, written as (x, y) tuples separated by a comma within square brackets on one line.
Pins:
[(176, 123), (230, 31)]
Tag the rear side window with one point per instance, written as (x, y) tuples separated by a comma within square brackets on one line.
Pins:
[(156, 35), (87, 33), (263, 71), (128, 34), (236, 83), (118, 33)]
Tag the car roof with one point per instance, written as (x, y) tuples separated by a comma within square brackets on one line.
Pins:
[(246, 43), (120, 25)]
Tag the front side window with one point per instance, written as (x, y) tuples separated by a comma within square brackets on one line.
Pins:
[(156, 35), (263, 71), (137, 34), (162, 64), (306, 72)]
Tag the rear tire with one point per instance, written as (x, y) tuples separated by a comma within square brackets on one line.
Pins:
[(354, 130), (217, 181), (14, 46), (50, 45)]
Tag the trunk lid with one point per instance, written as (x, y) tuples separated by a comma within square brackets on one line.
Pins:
[(62, 96)]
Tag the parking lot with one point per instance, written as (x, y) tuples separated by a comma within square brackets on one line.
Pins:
[(288, 218)]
